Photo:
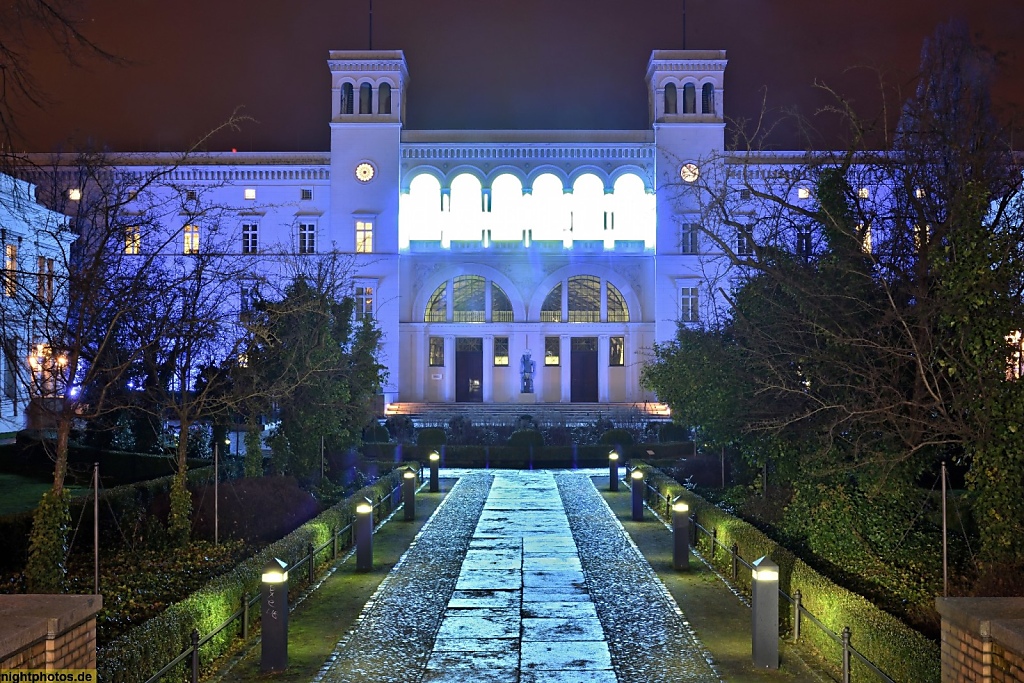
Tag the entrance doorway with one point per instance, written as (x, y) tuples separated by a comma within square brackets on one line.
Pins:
[(583, 370), (469, 369)]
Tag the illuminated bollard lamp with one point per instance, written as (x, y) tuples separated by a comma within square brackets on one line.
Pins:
[(765, 613), (364, 536), (680, 535), (274, 610), (409, 493), (435, 461), (613, 471), (637, 488)]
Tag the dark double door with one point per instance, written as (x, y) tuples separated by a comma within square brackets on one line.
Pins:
[(469, 370), (583, 370)]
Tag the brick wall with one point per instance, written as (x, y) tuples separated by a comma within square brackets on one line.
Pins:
[(982, 640), (48, 631)]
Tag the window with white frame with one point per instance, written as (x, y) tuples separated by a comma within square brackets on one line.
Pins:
[(307, 194), (307, 238), (689, 242), (689, 304), (364, 292), (191, 245), (250, 238), (501, 351), (10, 269), (436, 352), (616, 351), (250, 193), (364, 235), (132, 240), (44, 279), (745, 241), (552, 350)]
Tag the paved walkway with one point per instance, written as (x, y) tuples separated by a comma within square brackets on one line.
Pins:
[(521, 576)]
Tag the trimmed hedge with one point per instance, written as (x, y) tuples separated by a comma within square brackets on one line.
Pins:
[(509, 457), (903, 653), (144, 650)]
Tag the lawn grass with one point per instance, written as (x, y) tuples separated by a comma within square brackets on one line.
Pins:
[(21, 494)]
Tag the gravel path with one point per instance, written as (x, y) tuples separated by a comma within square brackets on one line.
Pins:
[(394, 635), (649, 638)]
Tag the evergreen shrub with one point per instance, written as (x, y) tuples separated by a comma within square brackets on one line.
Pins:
[(431, 436), (671, 432), (526, 438), (617, 437)]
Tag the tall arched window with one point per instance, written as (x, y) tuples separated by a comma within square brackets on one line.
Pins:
[(584, 299), (551, 310), (468, 300), (384, 98), (346, 98), (689, 99), (707, 99), (437, 307), (617, 310), (365, 98), (501, 307), (671, 99)]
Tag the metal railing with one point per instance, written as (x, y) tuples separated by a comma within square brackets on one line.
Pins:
[(798, 610), (393, 500)]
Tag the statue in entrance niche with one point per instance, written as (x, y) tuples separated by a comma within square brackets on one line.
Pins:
[(526, 368)]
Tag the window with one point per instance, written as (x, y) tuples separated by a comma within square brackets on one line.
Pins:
[(689, 305), (501, 351), (437, 307), (436, 352), (365, 98), (307, 194), (552, 347), (501, 307), (689, 99), (744, 242), (616, 305), (551, 309), (364, 236), (1015, 359), (803, 193), (307, 238), (250, 238), (920, 193), (384, 98), (10, 356), (803, 243), (191, 195), (133, 240), (364, 302), (10, 269), (671, 99), (863, 193), (191, 239), (250, 193), (864, 230), (246, 298), (346, 98), (689, 242), (584, 299), (616, 351), (44, 279), (745, 194), (468, 300), (707, 99), (75, 194)]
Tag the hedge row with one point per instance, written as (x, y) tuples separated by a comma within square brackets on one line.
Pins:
[(31, 458), (511, 457), (903, 653), (147, 648)]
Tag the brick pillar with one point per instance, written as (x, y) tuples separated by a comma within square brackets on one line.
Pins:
[(982, 639), (48, 631)]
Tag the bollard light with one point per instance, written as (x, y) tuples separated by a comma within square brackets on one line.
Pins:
[(613, 471), (765, 613), (364, 536), (435, 461), (680, 535), (637, 487), (274, 609), (409, 493)]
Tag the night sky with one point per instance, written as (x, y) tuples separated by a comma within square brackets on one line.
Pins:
[(490, 64)]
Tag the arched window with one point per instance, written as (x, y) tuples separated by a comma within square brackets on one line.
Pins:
[(617, 310), (468, 302), (365, 98), (346, 98), (671, 99), (437, 307), (501, 307), (584, 299), (384, 98), (707, 99), (551, 310), (689, 99)]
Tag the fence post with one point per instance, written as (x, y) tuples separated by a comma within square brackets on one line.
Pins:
[(846, 654), (693, 530), (797, 597), (245, 617), (312, 562), (334, 537), (735, 561), (714, 541), (195, 655)]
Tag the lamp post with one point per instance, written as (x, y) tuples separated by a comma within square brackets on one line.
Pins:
[(613, 471), (765, 613), (435, 461), (409, 493), (274, 606), (680, 535), (637, 489), (364, 536)]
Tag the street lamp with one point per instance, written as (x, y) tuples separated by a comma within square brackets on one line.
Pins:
[(274, 607), (435, 460), (765, 613), (409, 493), (364, 536), (613, 471), (637, 489), (680, 534)]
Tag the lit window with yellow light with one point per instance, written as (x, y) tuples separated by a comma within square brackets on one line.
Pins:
[(364, 236), (132, 240), (191, 239)]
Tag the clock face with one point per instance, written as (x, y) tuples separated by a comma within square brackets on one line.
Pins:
[(689, 172), (364, 172)]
